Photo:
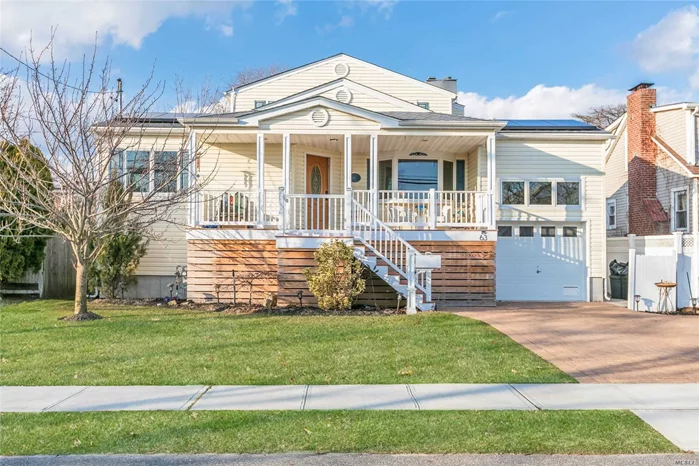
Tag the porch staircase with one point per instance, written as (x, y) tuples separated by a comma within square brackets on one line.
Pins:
[(393, 259)]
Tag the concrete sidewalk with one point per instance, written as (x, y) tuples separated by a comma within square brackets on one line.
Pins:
[(672, 409)]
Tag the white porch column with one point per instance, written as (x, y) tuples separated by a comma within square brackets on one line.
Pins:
[(191, 168), (260, 179), (286, 179), (348, 184), (492, 182), (348, 161), (374, 172)]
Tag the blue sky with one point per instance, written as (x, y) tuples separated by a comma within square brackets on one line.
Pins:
[(528, 59)]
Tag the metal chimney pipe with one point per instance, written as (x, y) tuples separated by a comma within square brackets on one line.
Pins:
[(120, 92)]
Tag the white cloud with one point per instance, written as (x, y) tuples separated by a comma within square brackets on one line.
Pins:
[(285, 8), (382, 6), (345, 22), (672, 44), (226, 29), (500, 14), (81, 22), (540, 102)]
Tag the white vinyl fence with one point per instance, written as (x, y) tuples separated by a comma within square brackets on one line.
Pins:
[(652, 259)]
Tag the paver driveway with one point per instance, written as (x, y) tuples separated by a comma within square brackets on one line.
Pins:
[(602, 342)]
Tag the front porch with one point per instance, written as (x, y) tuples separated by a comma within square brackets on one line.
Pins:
[(371, 189), (307, 184)]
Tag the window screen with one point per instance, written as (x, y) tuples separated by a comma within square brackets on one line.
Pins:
[(461, 175)]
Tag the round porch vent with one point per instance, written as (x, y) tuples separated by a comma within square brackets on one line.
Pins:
[(319, 117), (344, 96), (342, 69)]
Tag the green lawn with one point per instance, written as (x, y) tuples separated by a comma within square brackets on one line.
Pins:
[(572, 432), (162, 346)]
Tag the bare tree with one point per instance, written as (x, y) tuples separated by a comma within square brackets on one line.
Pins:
[(602, 116), (89, 138), (248, 75)]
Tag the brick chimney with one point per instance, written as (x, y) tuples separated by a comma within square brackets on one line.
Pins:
[(642, 154)]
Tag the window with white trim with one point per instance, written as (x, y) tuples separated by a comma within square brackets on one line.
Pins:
[(260, 103), (611, 214), (425, 105), (680, 212), (540, 193), (144, 171)]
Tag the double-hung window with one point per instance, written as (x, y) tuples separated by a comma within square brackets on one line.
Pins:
[(611, 214), (165, 169), (137, 170), (143, 171), (680, 213)]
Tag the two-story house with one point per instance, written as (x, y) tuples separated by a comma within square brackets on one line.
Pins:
[(652, 176), (444, 208)]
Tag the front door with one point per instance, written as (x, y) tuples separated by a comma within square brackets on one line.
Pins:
[(316, 183)]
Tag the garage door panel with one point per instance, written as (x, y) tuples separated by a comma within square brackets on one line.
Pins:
[(541, 268)]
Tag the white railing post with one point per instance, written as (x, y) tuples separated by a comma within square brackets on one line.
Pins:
[(192, 178), (282, 210), (411, 307), (432, 209), (374, 173), (428, 285), (260, 178), (348, 211)]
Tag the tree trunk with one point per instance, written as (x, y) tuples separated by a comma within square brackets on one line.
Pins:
[(81, 269)]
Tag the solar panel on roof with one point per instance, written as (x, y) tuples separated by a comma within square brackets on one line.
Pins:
[(548, 124)]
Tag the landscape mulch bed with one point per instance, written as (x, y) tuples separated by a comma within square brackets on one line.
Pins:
[(245, 309)]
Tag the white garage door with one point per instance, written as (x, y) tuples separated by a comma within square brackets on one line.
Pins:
[(540, 263)]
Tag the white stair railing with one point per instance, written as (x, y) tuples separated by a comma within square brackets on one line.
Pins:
[(397, 253)]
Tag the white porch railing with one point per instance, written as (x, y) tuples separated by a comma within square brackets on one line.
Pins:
[(232, 207), (429, 208), (314, 212), (396, 252), (326, 212)]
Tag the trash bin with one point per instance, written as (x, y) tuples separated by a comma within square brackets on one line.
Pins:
[(619, 285), (619, 279)]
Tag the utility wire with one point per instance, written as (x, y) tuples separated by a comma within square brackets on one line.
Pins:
[(35, 70)]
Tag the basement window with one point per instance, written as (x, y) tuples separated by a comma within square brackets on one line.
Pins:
[(548, 232)]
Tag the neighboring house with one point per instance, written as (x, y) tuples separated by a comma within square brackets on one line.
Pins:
[(342, 148), (652, 167), (652, 171)]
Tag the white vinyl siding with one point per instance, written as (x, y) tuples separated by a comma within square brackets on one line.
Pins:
[(472, 170), (170, 248), (300, 121), (384, 81), (558, 160), (617, 185), (671, 127), (364, 100), (671, 176)]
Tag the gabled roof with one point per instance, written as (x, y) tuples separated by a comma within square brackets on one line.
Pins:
[(332, 57), (386, 119), (692, 170)]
